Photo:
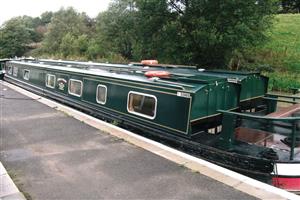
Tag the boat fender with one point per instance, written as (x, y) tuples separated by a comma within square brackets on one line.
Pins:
[(149, 62), (160, 74)]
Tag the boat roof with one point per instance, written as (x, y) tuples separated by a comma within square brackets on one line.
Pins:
[(77, 63), (240, 75), (231, 76), (181, 82), (4, 59)]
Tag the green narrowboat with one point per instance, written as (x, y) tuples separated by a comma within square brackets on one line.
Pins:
[(253, 85), (132, 96), (224, 117)]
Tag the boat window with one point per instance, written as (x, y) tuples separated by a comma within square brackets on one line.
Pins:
[(75, 87), (15, 71), (101, 94), (9, 70), (50, 81), (26, 74), (142, 104)]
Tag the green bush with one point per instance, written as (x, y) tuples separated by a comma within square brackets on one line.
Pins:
[(283, 81)]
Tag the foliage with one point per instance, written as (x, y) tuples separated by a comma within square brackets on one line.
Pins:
[(282, 51), (20, 34), (290, 6), (283, 81), (14, 37), (67, 31), (279, 58), (211, 34), (285, 42), (200, 32), (115, 29)]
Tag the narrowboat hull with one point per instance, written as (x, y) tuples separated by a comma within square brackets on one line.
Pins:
[(193, 113), (261, 169), (287, 176), (230, 160)]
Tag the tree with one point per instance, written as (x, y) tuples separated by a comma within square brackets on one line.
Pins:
[(66, 25), (153, 26), (14, 38), (115, 28), (290, 6), (41, 24), (198, 32), (66, 46), (81, 44), (201, 32), (46, 18)]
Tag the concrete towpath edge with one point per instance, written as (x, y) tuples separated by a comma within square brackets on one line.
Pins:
[(8, 190)]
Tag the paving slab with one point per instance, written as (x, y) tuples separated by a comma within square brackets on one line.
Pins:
[(54, 156)]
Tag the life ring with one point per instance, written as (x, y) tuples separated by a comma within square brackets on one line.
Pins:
[(149, 62), (161, 74)]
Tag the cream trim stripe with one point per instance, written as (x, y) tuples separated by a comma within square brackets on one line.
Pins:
[(287, 169)]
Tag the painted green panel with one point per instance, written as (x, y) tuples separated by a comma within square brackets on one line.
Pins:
[(213, 97), (252, 86), (232, 93), (220, 96), (117, 102)]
